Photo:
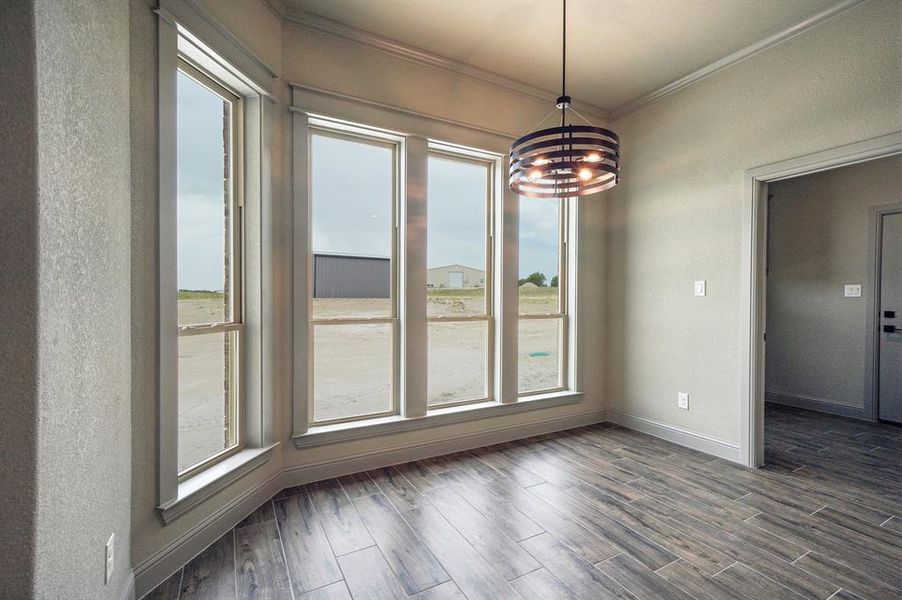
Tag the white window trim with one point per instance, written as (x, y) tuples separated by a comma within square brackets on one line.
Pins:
[(417, 129), (178, 24)]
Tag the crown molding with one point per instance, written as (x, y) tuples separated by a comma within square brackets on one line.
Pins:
[(276, 7), (394, 48), (769, 42)]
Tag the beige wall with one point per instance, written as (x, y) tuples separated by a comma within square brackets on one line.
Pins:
[(676, 216), (819, 239)]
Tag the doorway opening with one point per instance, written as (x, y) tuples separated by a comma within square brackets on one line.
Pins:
[(833, 272), (818, 316)]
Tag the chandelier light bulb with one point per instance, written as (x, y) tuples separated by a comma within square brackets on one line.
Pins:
[(593, 158), (585, 174), (535, 175)]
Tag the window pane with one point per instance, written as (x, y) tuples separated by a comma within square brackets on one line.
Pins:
[(204, 198), (540, 244), (456, 237), (207, 417), (352, 370), (352, 193), (539, 363), (457, 362)]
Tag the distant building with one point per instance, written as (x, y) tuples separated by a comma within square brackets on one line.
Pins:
[(350, 276), (455, 276)]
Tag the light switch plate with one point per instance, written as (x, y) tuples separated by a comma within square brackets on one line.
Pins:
[(683, 400), (853, 290), (700, 288)]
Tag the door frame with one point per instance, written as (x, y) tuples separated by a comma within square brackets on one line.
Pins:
[(753, 276), (875, 238)]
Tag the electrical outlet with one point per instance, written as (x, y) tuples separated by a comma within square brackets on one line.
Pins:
[(110, 548), (683, 400), (700, 287)]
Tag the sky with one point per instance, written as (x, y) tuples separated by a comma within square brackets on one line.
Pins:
[(352, 192), (201, 202)]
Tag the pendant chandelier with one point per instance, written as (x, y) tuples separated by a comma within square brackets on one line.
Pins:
[(565, 161)]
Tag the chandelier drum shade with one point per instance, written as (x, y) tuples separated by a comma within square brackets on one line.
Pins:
[(560, 162), (568, 160)]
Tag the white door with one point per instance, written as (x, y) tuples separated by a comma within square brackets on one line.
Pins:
[(890, 398), (456, 279)]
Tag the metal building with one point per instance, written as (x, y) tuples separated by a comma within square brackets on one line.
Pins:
[(349, 276), (455, 276)]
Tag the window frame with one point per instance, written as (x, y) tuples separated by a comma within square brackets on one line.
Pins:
[(419, 132), (446, 152), (234, 325), (358, 134), (183, 33), (562, 315)]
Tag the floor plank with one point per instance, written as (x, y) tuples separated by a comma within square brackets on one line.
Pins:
[(741, 579), (489, 540), (696, 583), (638, 546), (408, 557), (261, 570), (581, 577), (311, 563), (641, 581), (474, 575), (333, 591), (340, 521), (369, 576), (211, 574)]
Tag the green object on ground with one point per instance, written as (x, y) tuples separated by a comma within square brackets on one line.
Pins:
[(538, 354)]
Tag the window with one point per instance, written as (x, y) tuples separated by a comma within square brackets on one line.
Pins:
[(210, 268), (459, 281), (542, 295), (352, 293)]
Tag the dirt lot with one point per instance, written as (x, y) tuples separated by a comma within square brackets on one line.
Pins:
[(352, 373)]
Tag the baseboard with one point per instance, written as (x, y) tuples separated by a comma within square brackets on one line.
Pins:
[(817, 404), (156, 568), (128, 590), (677, 435), (336, 467)]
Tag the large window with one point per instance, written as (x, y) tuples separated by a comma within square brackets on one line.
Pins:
[(352, 291), (459, 279), (209, 257), (542, 295)]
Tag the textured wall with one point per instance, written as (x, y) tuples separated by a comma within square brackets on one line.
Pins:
[(18, 296), (818, 240), (676, 216), (84, 443)]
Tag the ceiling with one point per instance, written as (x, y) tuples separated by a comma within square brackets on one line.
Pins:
[(617, 50)]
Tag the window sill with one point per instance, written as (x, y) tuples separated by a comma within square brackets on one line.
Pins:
[(198, 488), (343, 432)]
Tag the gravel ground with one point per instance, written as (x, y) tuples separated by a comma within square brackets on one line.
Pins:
[(352, 371)]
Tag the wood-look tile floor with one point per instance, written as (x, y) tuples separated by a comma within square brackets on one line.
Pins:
[(597, 512)]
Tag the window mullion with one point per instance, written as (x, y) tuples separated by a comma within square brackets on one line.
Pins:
[(302, 339), (507, 260), (412, 286)]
